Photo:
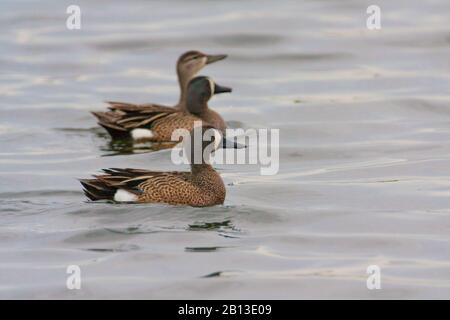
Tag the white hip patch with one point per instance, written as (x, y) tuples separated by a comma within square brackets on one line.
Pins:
[(124, 196), (140, 133)]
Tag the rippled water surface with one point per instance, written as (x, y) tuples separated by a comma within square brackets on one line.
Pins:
[(364, 119)]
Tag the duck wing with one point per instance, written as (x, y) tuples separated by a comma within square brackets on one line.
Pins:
[(124, 117), (136, 181)]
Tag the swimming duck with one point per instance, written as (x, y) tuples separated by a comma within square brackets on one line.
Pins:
[(200, 187), (157, 123), (188, 65)]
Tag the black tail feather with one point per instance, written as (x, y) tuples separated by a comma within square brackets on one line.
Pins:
[(98, 190), (114, 131), (90, 195)]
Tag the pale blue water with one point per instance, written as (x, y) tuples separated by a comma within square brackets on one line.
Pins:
[(364, 120)]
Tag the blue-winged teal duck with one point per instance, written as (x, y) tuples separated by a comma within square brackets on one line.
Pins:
[(157, 123), (188, 65), (201, 187)]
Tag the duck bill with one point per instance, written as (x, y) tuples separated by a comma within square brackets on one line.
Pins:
[(231, 144), (214, 58), (221, 89)]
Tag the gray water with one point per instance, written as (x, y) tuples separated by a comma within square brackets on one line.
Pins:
[(364, 119)]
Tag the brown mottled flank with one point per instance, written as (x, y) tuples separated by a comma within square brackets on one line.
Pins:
[(200, 188), (165, 126), (162, 121)]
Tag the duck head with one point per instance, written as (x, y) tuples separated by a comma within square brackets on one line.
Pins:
[(189, 64), (203, 141), (199, 91)]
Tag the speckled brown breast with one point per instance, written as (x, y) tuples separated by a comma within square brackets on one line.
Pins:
[(214, 119)]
